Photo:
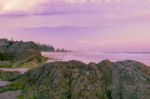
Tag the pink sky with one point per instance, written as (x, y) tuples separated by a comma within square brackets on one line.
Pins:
[(103, 25)]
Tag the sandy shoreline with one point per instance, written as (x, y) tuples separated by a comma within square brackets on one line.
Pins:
[(21, 70), (54, 56)]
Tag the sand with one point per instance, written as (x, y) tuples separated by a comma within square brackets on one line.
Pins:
[(21, 70)]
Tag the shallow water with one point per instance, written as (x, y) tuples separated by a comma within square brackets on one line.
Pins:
[(97, 57)]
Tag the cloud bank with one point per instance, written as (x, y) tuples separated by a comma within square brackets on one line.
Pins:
[(13, 6)]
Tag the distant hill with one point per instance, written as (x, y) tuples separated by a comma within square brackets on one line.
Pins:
[(76, 80), (19, 53)]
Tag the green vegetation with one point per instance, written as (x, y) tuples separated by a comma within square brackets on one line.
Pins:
[(12, 77), (5, 56), (61, 50), (13, 87), (5, 64), (23, 54), (9, 76), (46, 47), (20, 54), (50, 48), (30, 62)]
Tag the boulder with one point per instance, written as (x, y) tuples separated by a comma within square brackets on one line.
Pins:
[(76, 80)]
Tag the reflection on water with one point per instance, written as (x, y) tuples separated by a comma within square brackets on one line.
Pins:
[(97, 57)]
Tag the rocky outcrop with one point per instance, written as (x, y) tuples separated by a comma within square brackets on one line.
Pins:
[(76, 80), (19, 53)]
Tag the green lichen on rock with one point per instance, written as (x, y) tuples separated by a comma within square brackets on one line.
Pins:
[(76, 80)]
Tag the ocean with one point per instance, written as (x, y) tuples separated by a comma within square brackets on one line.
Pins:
[(87, 57)]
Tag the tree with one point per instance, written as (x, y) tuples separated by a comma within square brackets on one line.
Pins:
[(46, 47)]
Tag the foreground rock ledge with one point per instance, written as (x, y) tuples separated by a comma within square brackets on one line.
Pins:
[(76, 80)]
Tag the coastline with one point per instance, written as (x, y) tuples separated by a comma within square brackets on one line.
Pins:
[(84, 57), (88, 57), (52, 57)]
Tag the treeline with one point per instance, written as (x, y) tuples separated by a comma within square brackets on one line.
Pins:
[(46, 47), (61, 50), (50, 48)]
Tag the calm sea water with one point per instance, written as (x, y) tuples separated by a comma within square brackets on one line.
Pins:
[(87, 57)]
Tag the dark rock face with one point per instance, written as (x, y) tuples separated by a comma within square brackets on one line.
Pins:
[(19, 52), (76, 80)]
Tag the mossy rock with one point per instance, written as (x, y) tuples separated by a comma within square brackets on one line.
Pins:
[(76, 80)]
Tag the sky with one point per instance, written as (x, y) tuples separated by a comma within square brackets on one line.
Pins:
[(91, 25)]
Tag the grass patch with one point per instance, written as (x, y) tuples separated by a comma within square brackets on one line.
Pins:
[(9, 76), (12, 87), (5, 64)]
